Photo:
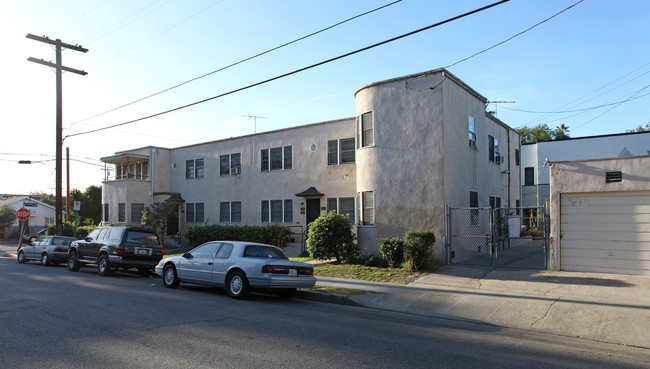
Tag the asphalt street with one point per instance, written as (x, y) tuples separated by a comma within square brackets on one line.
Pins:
[(54, 318)]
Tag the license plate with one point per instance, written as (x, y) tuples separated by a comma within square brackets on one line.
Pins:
[(142, 251), (293, 272)]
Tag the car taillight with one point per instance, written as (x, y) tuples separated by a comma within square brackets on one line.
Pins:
[(306, 271), (60, 249), (162, 252), (275, 269), (120, 249)]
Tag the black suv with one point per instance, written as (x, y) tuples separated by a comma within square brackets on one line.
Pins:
[(117, 247)]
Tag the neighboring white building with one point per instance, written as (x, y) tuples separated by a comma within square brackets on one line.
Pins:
[(41, 214), (600, 215), (535, 176), (392, 169)]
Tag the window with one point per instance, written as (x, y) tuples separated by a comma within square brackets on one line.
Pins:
[(367, 208), (529, 176), (472, 132), (229, 164), (340, 151), (136, 212), (277, 211), (189, 213), (494, 154), (495, 202), (517, 157), (195, 212), (106, 212), (230, 212), (224, 251), (366, 130), (473, 203), (206, 251), (49, 220), (121, 212), (342, 205), (194, 168), (277, 158)]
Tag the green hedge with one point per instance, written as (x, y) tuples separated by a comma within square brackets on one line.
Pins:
[(68, 229), (418, 247), (271, 234)]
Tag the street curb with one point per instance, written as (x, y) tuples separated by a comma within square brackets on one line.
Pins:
[(326, 297), (9, 255)]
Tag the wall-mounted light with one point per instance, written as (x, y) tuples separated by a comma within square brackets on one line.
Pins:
[(506, 171)]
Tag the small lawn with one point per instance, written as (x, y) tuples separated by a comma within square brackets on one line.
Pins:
[(367, 273)]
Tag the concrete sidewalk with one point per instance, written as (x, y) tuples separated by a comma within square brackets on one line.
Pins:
[(602, 307)]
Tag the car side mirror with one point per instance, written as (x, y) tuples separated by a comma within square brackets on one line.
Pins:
[(187, 255), (88, 239)]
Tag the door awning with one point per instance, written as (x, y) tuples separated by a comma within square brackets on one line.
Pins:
[(310, 192)]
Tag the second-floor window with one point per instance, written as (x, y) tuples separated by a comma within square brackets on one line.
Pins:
[(494, 154), (472, 132), (340, 151), (366, 130), (276, 158), (229, 164), (194, 168)]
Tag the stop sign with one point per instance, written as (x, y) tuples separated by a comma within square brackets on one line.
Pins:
[(23, 214)]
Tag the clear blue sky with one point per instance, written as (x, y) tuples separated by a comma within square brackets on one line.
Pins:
[(594, 54)]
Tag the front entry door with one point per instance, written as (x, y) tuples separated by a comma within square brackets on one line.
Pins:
[(313, 210)]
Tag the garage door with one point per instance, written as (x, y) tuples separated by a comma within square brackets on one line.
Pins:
[(606, 232)]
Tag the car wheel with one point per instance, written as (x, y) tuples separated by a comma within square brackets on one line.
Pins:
[(21, 257), (45, 260), (103, 265), (170, 277), (285, 293), (144, 272), (238, 287), (73, 263)]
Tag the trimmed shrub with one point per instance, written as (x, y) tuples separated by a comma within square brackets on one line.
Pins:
[(392, 249), (330, 236), (68, 229), (418, 247), (272, 234)]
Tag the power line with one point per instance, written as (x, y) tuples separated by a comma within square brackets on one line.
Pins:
[(237, 63), (586, 109), (518, 34), (297, 70)]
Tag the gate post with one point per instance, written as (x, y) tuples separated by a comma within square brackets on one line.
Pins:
[(492, 249)]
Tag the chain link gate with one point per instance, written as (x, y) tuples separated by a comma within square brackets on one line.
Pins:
[(498, 238)]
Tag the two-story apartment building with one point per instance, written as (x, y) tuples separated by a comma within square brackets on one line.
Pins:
[(418, 143)]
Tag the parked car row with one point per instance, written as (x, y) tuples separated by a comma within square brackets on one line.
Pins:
[(240, 267)]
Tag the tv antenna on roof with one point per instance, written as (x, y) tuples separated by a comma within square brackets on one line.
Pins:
[(255, 120), (499, 102)]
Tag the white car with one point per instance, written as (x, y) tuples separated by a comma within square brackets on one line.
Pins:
[(239, 267)]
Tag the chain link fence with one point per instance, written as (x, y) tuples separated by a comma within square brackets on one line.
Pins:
[(499, 238)]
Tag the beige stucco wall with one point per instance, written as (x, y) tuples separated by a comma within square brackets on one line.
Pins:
[(588, 176), (421, 161), (252, 185)]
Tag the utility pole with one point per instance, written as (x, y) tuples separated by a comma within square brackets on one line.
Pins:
[(59, 68), (67, 182), (249, 116)]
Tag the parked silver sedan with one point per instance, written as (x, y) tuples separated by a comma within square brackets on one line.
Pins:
[(47, 249), (239, 267)]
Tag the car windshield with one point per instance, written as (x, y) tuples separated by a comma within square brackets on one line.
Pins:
[(143, 237), (258, 251)]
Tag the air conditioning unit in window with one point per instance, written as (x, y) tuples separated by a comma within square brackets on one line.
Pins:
[(498, 159), (235, 171), (472, 144)]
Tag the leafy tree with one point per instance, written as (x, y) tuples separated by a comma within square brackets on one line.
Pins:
[(155, 216), (91, 204), (44, 198), (7, 216), (639, 129), (542, 132), (330, 235)]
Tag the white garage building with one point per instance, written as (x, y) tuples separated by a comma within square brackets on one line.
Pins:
[(600, 214)]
